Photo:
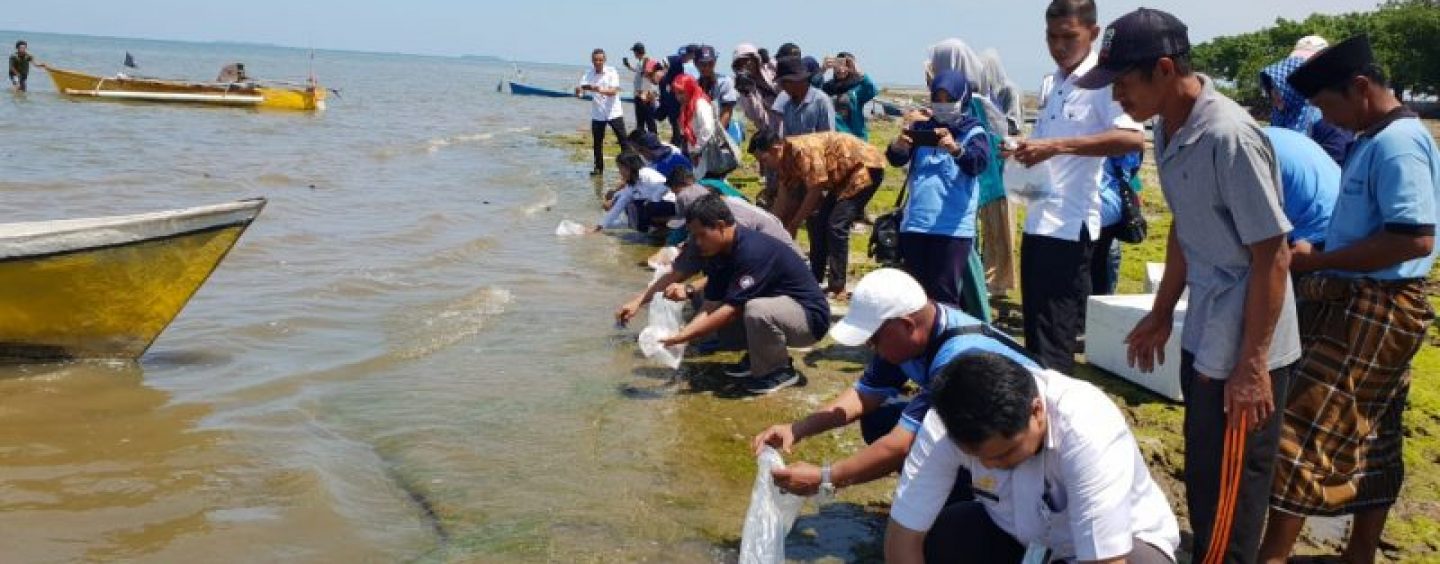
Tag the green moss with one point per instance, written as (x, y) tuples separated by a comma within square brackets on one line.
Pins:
[(716, 426)]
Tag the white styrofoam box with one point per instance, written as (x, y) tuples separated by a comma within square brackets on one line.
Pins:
[(1154, 271), (1109, 319)]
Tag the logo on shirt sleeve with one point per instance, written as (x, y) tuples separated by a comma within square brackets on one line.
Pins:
[(746, 282)]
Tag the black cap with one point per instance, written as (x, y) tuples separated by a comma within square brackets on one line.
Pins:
[(1136, 38), (1334, 65), (706, 54), (638, 47), (791, 69)]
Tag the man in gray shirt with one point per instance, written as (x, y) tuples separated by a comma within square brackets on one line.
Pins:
[(1218, 173), (803, 108)]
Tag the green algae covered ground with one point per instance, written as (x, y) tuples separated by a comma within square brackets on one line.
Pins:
[(714, 421)]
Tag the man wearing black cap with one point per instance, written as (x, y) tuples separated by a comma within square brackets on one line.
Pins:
[(719, 87), (645, 91), (803, 109), (1227, 245), (1366, 314)]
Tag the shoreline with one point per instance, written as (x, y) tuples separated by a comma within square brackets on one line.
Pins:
[(717, 423)]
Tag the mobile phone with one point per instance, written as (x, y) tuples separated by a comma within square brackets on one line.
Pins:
[(923, 138)]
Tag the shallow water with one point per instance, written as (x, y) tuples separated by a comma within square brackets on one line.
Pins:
[(399, 360)]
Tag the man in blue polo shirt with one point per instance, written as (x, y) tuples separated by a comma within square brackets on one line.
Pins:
[(1309, 182), (758, 291), (1340, 440), (913, 338)]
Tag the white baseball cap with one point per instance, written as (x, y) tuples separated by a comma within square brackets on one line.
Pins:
[(881, 295), (1309, 45)]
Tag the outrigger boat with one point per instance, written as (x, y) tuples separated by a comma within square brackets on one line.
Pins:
[(104, 288), (265, 94)]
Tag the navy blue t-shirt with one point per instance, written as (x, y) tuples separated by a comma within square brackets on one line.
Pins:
[(761, 266)]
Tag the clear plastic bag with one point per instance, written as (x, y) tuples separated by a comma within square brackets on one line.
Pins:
[(665, 320), (1028, 185), (569, 228), (663, 261), (771, 515)]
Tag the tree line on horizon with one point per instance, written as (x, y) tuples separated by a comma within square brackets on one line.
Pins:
[(1405, 35)]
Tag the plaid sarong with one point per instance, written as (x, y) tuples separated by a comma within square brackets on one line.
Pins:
[(1340, 442)]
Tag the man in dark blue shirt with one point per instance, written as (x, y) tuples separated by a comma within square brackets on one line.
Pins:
[(759, 292)]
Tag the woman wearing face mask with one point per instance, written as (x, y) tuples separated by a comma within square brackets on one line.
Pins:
[(938, 229), (850, 89), (755, 82), (997, 223)]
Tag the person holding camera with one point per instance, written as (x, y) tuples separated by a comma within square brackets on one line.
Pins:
[(647, 91), (946, 150), (849, 90)]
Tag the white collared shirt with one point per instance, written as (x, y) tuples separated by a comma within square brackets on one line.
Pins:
[(1070, 111), (603, 107), (1100, 493)]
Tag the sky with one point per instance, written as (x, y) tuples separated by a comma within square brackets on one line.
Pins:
[(889, 37)]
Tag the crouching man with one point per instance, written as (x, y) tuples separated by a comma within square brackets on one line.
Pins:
[(1055, 471)]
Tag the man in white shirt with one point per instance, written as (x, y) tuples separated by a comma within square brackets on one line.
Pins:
[(1074, 132), (602, 83), (1056, 473)]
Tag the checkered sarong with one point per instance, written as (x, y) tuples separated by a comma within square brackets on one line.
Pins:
[(1340, 444)]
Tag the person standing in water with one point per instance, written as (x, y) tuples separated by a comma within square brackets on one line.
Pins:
[(20, 65)]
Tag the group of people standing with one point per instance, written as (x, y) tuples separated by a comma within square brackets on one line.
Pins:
[(1304, 248)]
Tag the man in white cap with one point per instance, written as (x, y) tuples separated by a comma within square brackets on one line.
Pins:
[(912, 338)]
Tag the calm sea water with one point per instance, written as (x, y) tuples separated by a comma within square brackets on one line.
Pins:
[(399, 361)]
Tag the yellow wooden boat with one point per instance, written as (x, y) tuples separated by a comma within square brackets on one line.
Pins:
[(276, 95), (106, 287)]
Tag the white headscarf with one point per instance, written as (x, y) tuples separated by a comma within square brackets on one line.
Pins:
[(996, 85), (954, 54)]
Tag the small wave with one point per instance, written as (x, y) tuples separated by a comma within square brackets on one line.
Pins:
[(547, 200), (423, 331), (434, 145)]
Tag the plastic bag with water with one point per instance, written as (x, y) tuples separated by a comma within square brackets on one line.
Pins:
[(1028, 185), (666, 317), (569, 228), (771, 515)]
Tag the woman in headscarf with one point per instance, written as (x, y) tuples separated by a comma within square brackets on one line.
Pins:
[(850, 90), (699, 124), (938, 229), (996, 85), (755, 81), (997, 222), (1290, 110)]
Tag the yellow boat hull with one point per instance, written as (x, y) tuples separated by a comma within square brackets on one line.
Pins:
[(77, 84), (102, 300)]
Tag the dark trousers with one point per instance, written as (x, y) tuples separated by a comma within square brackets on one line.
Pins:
[(939, 263), (20, 83), (964, 532), (1237, 499), (1105, 262), (597, 134), (829, 229), (1054, 284), (645, 118)]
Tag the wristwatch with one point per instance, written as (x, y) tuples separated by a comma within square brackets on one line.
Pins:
[(827, 488)]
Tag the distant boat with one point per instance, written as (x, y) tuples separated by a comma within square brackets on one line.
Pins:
[(106, 287), (519, 89), (258, 94)]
